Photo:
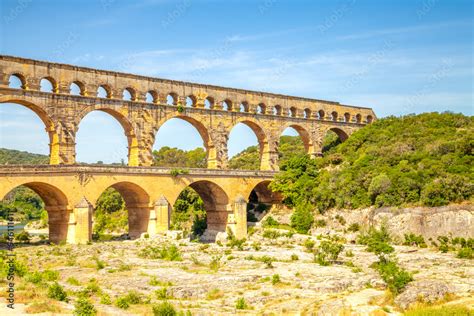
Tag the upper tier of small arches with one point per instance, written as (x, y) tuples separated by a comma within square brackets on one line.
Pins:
[(171, 98)]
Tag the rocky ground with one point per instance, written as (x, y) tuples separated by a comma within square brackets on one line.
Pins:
[(269, 276)]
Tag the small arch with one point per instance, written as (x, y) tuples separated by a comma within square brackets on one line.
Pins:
[(172, 99), (104, 91), (191, 101), (369, 119), (261, 108), (77, 88), (307, 113), (209, 103), (277, 110), (358, 118), (151, 97), (227, 105), (17, 81), (129, 94), (292, 112), (48, 84), (347, 117), (261, 193), (334, 116), (244, 107), (321, 114)]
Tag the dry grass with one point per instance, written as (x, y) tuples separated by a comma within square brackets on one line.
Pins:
[(42, 306)]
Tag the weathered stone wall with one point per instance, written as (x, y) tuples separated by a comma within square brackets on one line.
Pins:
[(455, 220)]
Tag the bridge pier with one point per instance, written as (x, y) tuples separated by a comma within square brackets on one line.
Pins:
[(58, 223), (80, 223), (159, 217), (138, 220)]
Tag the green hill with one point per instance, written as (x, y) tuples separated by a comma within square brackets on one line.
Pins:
[(424, 159), (16, 157)]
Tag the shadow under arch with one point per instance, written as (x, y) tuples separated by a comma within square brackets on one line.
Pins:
[(215, 204), (133, 159), (211, 153), (343, 136), (47, 121), (137, 202), (264, 150), (56, 204)]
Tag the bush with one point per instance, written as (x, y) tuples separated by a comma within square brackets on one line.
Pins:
[(276, 279), (354, 227), (241, 304), (270, 222), (309, 244), (320, 223), (164, 309), (83, 307), (376, 240), (170, 253), (35, 277), (414, 240), (56, 291), (395, 277), (328, 250), (340, 219), (122, 303), (302, 218), (465, 253), (49, 275), (23, 237)]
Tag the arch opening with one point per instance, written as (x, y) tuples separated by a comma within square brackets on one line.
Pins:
[(370, 118), (244, 107), (261, 108), (307, 113), (17, 81), (209, 103), (347, 117), (294, 140), (129, 94), (334, 116), (260, 201), (333, 138), (42, 203), (123, 209), (151, 97), (292, 112), (277, 110), (182, 142), (76, 88), (247, 144), (359, 118), (172, 99), (48, 84), (110, 149), (103, 91), (321, 114), (24, 130), (227, 105), (191, 101)]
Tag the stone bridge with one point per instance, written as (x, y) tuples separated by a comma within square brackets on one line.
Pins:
[(142, 105)]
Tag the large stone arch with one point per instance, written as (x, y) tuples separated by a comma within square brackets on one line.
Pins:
[(137, 202), (56, 204), (263, 193), (211, 153), (262, 138), (50, 127), (342, 134), (303, 133), (216, 203), (121, 115)]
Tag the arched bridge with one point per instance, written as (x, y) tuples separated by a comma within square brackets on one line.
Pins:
[(142, 105)]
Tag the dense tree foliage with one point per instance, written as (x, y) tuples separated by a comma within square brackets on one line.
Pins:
[(16, 157), (249, 158), (424, 159), (23, 204), (174, 157)]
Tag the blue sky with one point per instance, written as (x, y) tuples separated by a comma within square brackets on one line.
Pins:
[(398, 57)]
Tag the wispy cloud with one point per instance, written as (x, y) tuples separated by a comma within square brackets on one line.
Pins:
[(403, 30)]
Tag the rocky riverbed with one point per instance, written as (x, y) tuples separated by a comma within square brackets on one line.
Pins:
[(271, 274)]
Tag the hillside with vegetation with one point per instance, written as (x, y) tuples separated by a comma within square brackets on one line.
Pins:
[(16, 157), (424, 159)]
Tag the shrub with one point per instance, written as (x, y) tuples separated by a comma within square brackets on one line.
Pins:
[(395, 277), (376, 240), (271, 234), (354, 227), (270, 222), (164, 309), (340, 219), (56, 291), (170, 253), (276, 279), (84, 307), (302, 218), (294, 257), (309, 244), (241, 304), (215, 263), (328, 250), (414, 240), (320, 223), (465, 253), (162, 294), (35, 277), (23, 237), (49, 275), (105, 299), (122, 303), (268, 261)]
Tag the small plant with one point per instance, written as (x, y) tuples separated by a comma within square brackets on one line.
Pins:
[(162, 294), (122, 303), (215, 264), (270, 222), (99, 263), (395, 277), (376, 240), (276, 279), (320, 223), (35, 277), (268, 261), (465, 253), (73, 281), (84, 307), (178, 171), (50, 275), (349, 253), (271, 234), (309, 244), (105, 299), (256, 246), (414, 240), (180, 108), (23, 237), (170, 253), (214, 294), (340, 219), (328, 251), (164, 309), (241, 304), (56, 291), (354, 227), (294, 257)]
